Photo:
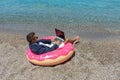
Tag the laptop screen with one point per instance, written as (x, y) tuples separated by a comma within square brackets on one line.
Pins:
[(60, 33)]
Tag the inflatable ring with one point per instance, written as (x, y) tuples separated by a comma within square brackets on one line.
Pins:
[(52, 58)]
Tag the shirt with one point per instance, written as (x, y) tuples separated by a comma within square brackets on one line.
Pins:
[(37, 48)]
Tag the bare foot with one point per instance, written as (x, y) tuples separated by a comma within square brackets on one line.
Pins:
[(76, 40), (73, 41)]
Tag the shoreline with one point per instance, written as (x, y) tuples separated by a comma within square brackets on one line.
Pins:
[(86, 33), (92, 60)]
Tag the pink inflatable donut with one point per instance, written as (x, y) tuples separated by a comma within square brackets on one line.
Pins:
[(55, 57)]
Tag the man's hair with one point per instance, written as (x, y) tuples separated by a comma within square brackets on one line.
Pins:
[(29, 36)]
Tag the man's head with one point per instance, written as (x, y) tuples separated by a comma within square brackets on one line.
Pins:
[(31, 37)]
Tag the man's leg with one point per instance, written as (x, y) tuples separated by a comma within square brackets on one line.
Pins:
[(73, 41)]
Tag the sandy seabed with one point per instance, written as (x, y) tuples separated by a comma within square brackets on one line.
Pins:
[(93, 60)]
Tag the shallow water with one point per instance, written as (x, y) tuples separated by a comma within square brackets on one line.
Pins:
[(87, 18)]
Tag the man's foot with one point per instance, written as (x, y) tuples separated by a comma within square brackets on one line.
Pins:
[(76, 40)]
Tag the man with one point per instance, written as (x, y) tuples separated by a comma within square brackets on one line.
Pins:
[(42, 45)]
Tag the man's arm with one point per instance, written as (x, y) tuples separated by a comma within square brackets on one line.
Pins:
[(39, 49), (48, 41)]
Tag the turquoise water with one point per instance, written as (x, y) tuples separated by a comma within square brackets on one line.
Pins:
[(80, 14)]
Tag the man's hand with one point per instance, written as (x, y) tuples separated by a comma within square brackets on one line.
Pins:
[(53, 40), (57, 42)]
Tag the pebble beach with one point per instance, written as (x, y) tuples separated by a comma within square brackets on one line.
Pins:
[(93, 60)]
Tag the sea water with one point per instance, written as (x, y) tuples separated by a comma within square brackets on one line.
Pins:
[(76, 17)]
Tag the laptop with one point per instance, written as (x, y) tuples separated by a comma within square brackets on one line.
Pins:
[(60, 36)]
